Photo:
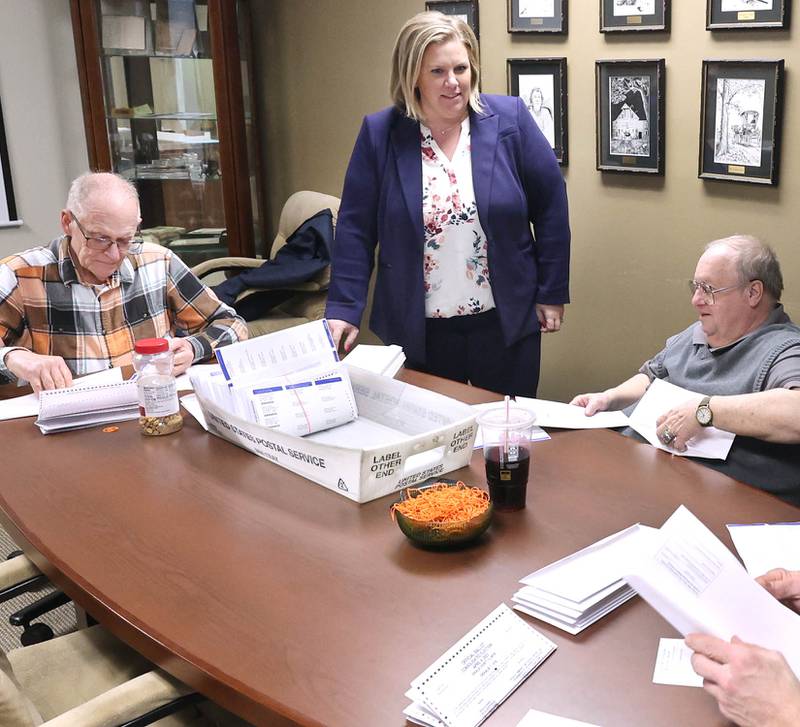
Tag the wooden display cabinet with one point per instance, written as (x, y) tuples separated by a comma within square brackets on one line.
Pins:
[(167, 98)]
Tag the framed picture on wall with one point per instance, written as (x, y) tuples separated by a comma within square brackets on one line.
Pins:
[(617, 16), (537, 16), (630, 115), (8, 205), (542, 84), (733, 14), (740, 120), (467, 11)]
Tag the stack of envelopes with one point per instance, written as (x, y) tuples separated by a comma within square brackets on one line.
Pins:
[(576, 591)]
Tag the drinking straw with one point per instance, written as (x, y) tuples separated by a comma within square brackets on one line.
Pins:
[(505, 431)]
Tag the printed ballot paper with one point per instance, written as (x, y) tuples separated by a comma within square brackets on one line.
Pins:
[(660, 397), (473, 677), (696, 584), (764, 546), (578, 590), (290, 381)]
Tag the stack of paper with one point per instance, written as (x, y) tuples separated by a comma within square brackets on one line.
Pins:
[(472, 678), (291, 381), (576, 591), (381, 360), (81, 407)]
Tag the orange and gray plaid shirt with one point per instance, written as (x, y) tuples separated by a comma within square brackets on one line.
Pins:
[(45, 308)]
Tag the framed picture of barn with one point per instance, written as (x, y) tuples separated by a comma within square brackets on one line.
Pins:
[(467, 11), (630, 115), (740, 120)]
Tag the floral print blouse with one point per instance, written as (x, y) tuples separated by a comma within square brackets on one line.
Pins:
[(456, 264)]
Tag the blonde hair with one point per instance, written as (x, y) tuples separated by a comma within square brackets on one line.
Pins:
[(421, 31)]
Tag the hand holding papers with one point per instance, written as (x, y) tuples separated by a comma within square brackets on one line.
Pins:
[(660, 397), (472, 678), (576, 591), (696, 584)]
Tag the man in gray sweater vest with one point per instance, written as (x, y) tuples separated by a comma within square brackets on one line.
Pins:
[(743, 357)]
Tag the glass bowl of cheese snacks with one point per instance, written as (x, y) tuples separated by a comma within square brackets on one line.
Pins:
[(443, 513)]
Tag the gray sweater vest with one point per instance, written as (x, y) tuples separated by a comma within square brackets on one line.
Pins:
[(739, 369)]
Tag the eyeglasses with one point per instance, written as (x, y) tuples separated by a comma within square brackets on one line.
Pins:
[(708, 292), (103, 244)]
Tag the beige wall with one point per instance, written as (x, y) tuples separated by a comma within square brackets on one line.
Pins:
[(42, 112), (635, 240)]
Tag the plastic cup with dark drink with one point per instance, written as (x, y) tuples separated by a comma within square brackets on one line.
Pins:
[(507, 454)]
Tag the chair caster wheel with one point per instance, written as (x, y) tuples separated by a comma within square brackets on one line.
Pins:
[(13, 554), (35, 634)]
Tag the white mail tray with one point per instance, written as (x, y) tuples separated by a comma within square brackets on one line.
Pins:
[(403, 434)]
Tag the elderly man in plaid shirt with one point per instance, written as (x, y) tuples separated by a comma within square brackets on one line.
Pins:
[(80, 304)]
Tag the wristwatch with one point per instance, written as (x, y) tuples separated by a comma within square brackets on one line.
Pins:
[(704, 415)]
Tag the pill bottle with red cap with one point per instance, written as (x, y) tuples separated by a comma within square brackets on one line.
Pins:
[(159, 411)]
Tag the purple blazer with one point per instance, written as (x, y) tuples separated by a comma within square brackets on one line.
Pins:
[(517, 182)]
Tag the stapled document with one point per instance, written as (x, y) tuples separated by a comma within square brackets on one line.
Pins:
[(660, 397), (473, 677)]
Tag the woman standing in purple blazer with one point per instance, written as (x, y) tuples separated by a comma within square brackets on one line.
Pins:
[(449, 181)]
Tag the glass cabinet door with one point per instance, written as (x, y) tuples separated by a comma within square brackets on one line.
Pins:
[(160, 111)]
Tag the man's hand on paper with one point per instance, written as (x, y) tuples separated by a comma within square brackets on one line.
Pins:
[(784, 585), (183, 355), (681, 422), (593, 403), (753, 687), (41, 372), (344, 334)]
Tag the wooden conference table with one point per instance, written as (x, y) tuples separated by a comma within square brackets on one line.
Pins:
[(289, 604)]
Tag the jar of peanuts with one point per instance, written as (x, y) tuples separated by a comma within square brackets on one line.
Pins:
[(159, 411)]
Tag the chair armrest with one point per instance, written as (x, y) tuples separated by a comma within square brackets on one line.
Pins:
[(124, 702), (16, 570), (310, 306), (17, 576), (226, 263)]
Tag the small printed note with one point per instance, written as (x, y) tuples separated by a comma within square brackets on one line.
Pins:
[(674, 665)]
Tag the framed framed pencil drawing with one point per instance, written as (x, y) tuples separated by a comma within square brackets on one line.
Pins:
[(630, 115), (619, 16), (542, 84), (467, 11), (537, 16), (742, 14), (740, 120)]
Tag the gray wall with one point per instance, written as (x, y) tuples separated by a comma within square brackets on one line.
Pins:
[(42, 112)]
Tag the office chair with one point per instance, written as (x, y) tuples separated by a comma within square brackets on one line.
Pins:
[(23, 576), (84, 679), (304, 301)]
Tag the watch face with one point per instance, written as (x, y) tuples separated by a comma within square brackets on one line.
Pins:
[(704, 415)]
